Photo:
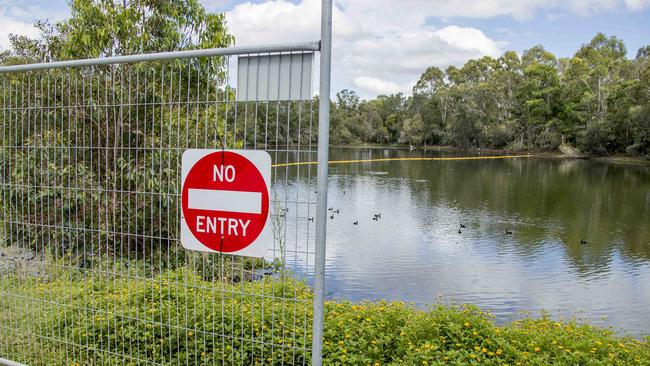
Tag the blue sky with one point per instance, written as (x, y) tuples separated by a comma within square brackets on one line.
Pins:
[(562, 35), (382, 46)]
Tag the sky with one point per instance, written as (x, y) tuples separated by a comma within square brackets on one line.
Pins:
[(383, 46)]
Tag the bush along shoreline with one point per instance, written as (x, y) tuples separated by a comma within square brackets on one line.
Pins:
[(176, 316)]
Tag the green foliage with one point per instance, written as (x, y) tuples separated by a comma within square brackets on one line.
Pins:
[(110, 165), (170, 318), (89, 174), (111, 27), (596, 100)]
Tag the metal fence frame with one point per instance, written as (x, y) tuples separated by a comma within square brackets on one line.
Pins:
[(324, 47)]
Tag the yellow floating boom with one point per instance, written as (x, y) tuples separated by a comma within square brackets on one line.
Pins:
[(405, 159)]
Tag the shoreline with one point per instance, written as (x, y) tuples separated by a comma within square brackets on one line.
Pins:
[(618, 159)]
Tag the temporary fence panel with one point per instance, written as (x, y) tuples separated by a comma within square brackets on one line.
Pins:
[(91, 268)]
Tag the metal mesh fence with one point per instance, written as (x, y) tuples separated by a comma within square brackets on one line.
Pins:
[(91, 268)]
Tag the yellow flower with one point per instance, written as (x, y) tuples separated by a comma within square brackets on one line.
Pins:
[(477, 348), (425, 363), (499, 351), (466, 325), (537, 349), (484, 350), (475, 334), (377, 364)]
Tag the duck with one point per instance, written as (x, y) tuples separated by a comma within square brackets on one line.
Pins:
[(332, 217), (310, 219), (356, 222), (459, 231), (583, 241), (508, 232), (330, 209), (462, 226), (337, 211)]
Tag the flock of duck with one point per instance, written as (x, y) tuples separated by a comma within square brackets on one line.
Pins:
[(377, 216), (509, 232), (462, 226)]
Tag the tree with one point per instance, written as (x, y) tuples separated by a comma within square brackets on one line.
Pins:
[(347, 101), (98, 28), (538, 55), (412, 130), (431, 103), (596, 100), (594, 75), (539, 97)]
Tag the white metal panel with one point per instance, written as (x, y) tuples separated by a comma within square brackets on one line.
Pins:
[(275, 77)]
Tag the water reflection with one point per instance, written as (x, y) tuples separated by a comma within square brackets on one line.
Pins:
[(415, 253)]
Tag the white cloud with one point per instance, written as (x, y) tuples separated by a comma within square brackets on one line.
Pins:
[(584, 7), (375, 86), (468, 39), (19, 17), (8, 25)]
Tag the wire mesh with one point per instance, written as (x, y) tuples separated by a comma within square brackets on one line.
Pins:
[(91, 267)]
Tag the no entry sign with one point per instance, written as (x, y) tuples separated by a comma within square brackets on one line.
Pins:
[(225, 201)]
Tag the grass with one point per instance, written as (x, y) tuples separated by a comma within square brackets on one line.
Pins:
[(176, 317)]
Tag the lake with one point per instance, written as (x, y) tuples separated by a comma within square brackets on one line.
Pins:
[(415, 252)]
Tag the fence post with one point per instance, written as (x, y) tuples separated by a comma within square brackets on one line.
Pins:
[(323, 157)]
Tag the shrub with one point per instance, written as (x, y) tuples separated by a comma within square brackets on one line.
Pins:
[(171, 319)]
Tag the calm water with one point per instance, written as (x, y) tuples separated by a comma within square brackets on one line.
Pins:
[(415, 253)]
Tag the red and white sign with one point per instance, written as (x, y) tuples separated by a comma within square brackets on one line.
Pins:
[(225, 201)]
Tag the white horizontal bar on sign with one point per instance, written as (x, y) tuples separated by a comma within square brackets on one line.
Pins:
[(219, 200)]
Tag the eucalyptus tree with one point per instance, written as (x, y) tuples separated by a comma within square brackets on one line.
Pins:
[(130, 123)]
